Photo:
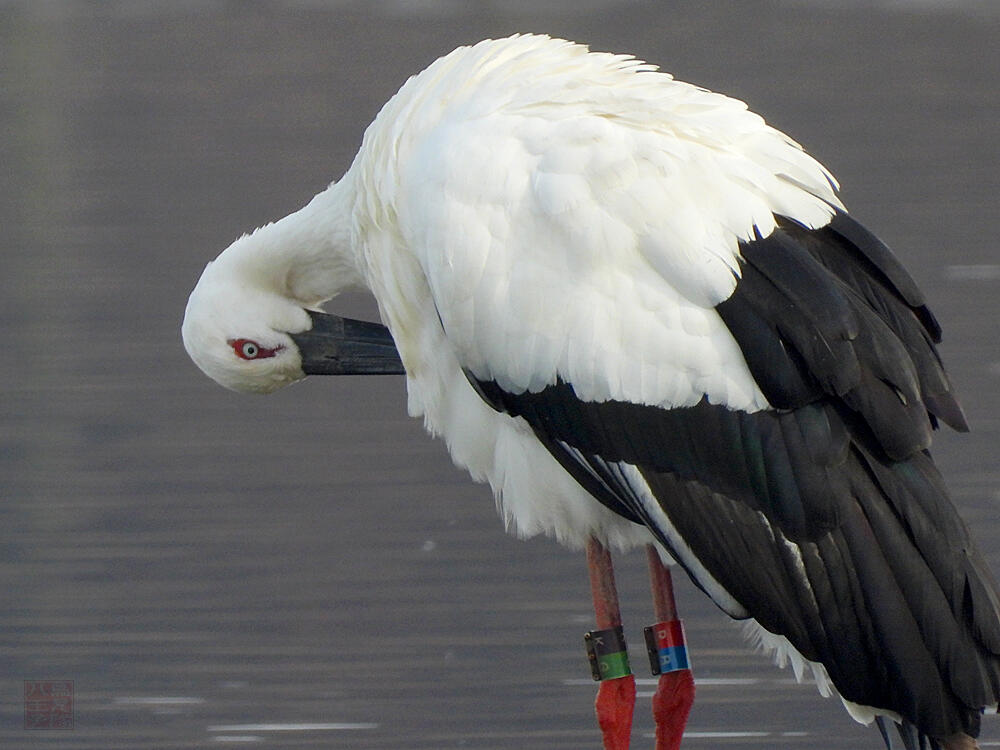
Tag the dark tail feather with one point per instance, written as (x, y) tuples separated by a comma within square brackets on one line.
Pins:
[(912, 739), (883, 728)]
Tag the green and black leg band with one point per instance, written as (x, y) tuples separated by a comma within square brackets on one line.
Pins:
[(607, 653)]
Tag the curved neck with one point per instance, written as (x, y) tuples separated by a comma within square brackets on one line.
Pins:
[(308, 256)]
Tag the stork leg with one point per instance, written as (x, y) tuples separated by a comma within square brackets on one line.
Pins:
[(675, 691), (616, 696)]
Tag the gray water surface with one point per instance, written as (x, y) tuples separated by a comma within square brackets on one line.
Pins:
[(308, 569)]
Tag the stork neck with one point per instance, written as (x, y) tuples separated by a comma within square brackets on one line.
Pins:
[(307, 256)]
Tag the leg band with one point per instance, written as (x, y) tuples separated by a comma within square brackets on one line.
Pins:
[(666, 647), (607, 653)]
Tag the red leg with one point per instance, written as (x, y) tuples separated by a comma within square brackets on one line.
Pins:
[(615, 697), (675, 692)]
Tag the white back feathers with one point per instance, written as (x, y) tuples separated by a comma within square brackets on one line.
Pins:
[(519, 172)]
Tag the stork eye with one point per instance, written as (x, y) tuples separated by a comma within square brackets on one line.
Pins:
[(247, 349)]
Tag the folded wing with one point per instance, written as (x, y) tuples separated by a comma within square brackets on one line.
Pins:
[(822, 517)]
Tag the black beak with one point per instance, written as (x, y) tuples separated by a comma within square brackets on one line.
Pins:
[(341, 346)]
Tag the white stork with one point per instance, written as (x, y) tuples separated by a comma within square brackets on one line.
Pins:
[(643, 315)]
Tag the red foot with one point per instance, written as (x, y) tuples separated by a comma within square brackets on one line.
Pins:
[(671, 706), (615, 704)]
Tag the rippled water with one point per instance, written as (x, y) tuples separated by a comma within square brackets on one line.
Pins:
[(308, 570)]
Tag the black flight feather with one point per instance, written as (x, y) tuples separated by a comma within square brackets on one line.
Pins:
[(823, 518)]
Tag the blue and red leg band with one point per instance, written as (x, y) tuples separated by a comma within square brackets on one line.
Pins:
[(666, 647)]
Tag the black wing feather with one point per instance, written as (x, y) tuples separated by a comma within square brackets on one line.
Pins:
[(876, 261), (860, 260), (824, 518)]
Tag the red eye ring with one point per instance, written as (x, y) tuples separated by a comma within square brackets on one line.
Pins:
[(248, 349)]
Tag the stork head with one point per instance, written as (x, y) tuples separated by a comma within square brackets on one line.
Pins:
[(253, 323), (240, 334), (250, 337)]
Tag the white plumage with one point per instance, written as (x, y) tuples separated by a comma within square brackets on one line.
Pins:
[(561, 259), (529, 214)]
